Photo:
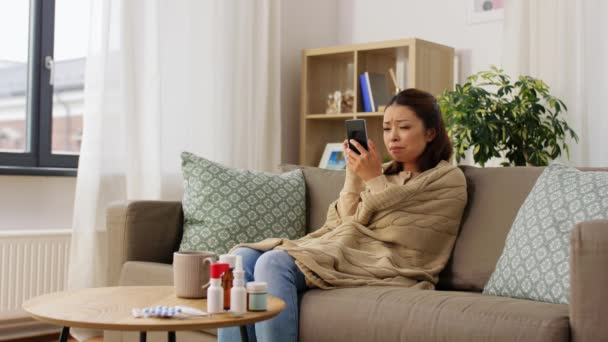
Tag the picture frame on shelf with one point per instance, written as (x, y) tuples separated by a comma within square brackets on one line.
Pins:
[(333, 157), (483, 11)]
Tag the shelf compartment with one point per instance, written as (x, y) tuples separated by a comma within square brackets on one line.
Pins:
[(380, 61), (329, 116), (369, 114), (326, 74), (344, 116), (318, 134)]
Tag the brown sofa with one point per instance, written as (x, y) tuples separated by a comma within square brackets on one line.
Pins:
[(144, 234)]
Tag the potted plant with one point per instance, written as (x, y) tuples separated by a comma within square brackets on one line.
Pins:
[(496, 118)]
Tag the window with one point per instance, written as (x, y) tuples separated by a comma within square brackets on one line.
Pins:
[(42, 66)]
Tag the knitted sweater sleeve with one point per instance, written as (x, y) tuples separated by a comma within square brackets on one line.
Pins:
[(350, 196)]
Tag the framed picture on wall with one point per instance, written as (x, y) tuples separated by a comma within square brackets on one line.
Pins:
[(481, 11), (333, 157)]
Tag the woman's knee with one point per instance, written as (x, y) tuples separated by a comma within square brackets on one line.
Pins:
[(274, 260), (250, 257), (247, 252)]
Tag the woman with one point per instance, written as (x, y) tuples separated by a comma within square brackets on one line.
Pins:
[(397, 222)]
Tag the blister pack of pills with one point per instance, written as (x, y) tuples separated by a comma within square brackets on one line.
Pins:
[(168, 312)]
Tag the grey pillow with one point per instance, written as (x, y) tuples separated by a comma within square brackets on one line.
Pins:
[(535, 261), (322, 188), (225, 206)]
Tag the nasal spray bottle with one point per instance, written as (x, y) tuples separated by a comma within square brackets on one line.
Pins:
[(238, 294), (215, 292)]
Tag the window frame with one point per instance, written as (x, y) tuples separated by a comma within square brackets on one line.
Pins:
[(39, 158)]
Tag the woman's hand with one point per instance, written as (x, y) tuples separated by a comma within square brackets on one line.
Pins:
[(366, 165)]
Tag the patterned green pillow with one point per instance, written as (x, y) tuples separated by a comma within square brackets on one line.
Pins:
[(225, 206), (534, 263)]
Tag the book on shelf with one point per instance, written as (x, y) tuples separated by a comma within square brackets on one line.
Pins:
[(380, 93), (366, 92), (374, 91)]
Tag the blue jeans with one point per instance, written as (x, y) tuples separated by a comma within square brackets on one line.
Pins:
[(285, 281)]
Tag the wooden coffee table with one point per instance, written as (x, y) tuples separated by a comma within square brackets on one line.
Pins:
[(109, 308)]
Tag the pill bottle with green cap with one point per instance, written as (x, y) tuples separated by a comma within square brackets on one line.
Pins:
[(257, 296)]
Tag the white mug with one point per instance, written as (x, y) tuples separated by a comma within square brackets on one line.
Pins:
[(191, 273)]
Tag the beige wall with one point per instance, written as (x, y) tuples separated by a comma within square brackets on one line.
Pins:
[(304, 24), (446, 22), (36, 202)]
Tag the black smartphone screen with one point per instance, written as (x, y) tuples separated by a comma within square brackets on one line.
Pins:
[(357, 130)]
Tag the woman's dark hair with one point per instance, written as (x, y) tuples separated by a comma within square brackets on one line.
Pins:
[(425, 106)]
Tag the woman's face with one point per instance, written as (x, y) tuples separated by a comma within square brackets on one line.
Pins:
[(405, 136)]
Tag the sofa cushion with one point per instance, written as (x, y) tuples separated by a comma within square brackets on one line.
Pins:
[(403, 314), (322, 188), (225, 206), (494, 197), (534, 262)]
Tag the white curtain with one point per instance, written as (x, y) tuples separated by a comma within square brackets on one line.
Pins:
[(163, 77), (565, 43)]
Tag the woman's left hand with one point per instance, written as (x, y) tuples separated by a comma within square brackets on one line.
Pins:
[(366, 165)]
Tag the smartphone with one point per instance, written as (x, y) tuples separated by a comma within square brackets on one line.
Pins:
[(357, 130)]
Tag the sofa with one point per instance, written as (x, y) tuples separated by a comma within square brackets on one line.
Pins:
[(144, 234)]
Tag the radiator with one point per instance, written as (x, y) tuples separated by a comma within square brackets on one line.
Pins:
[(31, 263)]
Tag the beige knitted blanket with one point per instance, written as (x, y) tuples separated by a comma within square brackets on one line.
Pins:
[(402, 236)]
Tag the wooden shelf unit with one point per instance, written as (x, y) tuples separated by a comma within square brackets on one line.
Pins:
[(418, 63)]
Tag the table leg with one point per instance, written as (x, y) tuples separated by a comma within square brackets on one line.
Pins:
[(171, 336), (244, 336), (142, 336), (65, 333)]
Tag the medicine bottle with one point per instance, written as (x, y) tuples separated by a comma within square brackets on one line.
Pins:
[(238, 293), (215, 293), (228, 277), (257, 296)]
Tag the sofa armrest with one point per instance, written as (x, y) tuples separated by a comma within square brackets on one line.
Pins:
[(141, 273), (142, 231), (589, 281)]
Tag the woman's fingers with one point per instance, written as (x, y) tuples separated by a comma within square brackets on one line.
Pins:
[(352, 154), (345, 151), (371, 145), (361, 149), (372, 148), (352, 157)]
